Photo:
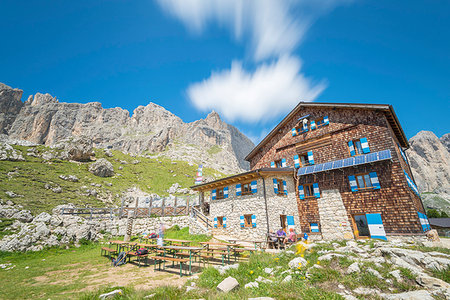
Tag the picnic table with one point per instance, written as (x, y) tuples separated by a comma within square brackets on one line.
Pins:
[(176, 250), (119, 244), (178, 242)]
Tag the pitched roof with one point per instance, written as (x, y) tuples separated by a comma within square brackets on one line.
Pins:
[(386, 108), (242, 176), (440, 222)]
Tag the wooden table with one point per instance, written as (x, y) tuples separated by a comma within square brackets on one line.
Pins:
[(119, 244), (192, 250), (183, 242)]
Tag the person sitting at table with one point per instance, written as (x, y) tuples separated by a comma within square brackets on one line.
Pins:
[(272, 239), (292, 238), (281, 233)]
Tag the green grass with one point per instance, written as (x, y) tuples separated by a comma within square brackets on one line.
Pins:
[(3, 225), (150, 175), (444, 274), (214, 150), (183, 234)]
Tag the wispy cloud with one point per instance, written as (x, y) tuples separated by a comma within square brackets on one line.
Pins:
[(268, 92), (272, 29)]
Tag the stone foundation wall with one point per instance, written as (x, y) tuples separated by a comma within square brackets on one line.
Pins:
[(236, 206)]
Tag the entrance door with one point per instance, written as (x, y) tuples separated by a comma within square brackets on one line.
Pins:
[(283, 222), (376, 227), (362, 228)]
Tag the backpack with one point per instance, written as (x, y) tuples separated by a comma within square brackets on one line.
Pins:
[(142, 251), (153, 236), (120, 260)]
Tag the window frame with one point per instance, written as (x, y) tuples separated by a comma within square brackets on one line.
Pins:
[(278, 163), (365, 185), (218, 196), (280, 184), (249, 192), (220, 222), (305, 155), (309, 186), (357, 152), (248, 224)]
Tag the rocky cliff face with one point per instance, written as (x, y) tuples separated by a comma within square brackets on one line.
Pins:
[(430, 162), (42, 119)]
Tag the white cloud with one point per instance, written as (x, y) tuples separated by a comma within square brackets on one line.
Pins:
[(274, 27), (272, 89)]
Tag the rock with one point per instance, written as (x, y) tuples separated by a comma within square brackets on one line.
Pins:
[(71, 178), (108, 153), (228, 284), (42, 217), (268, 270), (78, 148), (263, 280), (110, 294), (297, 262), (223, 269), (7, 152), (348, 297), (329, 256), (102, 168), (366, 291), (353, 268), (287, 278), (252, 285), (413, 295), (433, 235), (396, 275), (12, 194), (190, 288), (375, 273), (150, 296), (23, 216), (431, 282)]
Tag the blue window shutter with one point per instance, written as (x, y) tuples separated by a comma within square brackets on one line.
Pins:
[(376, 227), (225, 192), (275, 186), (238, 190), (253, 221), (296, 161), (213, 194), (224, 222), (374, 180), (254, 186), (283, 162), (215, 222), (313, 125), (301, 192), (314, 227), (310, 157), (351, 148), (365, 145), (316, 190), (285, 187), (326, 121), (272, 164), (294, 131), (353, 184), (242, 220), (290, 222)]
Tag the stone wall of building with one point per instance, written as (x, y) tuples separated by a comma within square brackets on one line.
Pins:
[(333, 216), (235, 206)]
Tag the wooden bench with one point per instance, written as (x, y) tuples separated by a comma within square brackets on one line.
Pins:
[(134, 253), (109, 251), (163, 259)]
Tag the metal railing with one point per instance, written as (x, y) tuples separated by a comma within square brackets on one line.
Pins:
[(198, 215)]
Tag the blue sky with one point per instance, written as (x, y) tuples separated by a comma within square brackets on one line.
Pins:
[(250, 62)]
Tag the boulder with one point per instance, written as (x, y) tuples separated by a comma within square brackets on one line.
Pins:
[(23, 216), (42, 217), (396, 275), (353, 268), (228, 284), (287, 278), (79, 148), (251, 285), (102, 168), (297, 262), (375, 273), (433, 235), (413, 295), (431, 282), (111, 294)]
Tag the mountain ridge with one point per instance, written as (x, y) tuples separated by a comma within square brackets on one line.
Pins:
[(151, 129)]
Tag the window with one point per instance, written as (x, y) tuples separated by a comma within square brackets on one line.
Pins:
[(309, 190), (280, 187), (358, 147), (278, 164), (220, 222), (220, 194), (320, 122), (247, 220), (304, 160), (283, 221), (363, 181), (246, 188)]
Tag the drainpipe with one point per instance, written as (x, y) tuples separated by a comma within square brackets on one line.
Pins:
[(265, 199)]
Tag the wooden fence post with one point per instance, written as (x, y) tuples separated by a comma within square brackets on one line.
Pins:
[(162, 206), (187, 204), (175, 207), (150, 207)]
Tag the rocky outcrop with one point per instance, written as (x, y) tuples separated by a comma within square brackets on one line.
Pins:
[(42, 119), (102, 168), (430, 163), (445, 140)]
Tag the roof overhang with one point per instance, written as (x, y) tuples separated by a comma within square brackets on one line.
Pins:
[(387, 109), (242, 177)]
